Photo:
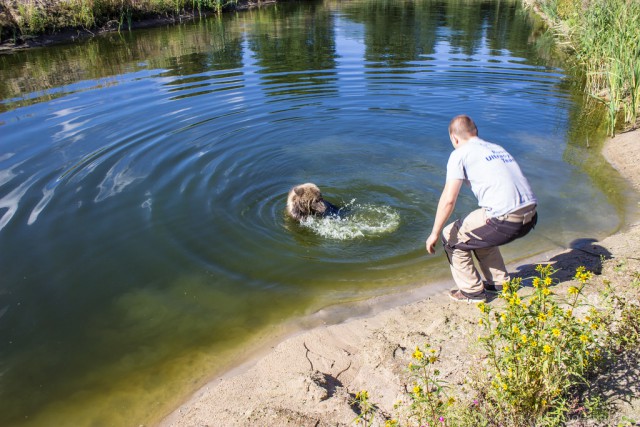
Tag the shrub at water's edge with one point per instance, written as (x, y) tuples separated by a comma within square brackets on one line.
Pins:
[(542, 351), (23, 18), (605, 39)]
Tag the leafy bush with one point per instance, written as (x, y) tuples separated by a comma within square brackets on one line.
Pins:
[(540, 352)]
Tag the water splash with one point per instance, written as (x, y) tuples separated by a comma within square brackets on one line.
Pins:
[(358, 221)]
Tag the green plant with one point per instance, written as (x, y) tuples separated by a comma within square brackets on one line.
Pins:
[(604, 38), (542, 352), (538, 350), (429, 403), (597, 408), (622, 319), (365, 408), (635, 279), (627, 422)]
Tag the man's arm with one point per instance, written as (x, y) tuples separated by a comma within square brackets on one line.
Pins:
[(445, 208)]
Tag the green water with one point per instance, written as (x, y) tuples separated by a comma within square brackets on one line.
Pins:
[(143, 179)]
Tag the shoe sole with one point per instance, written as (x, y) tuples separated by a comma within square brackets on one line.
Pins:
[(467, 299)]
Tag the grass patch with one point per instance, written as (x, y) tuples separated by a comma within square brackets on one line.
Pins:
[(23, 18), (605, 38)]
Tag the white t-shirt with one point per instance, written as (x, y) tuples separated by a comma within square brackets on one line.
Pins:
[(494, 176)]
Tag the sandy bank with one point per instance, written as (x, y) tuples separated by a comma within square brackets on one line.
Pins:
[(309, 379)]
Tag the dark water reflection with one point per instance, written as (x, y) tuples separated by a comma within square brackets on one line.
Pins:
[(143, 179)]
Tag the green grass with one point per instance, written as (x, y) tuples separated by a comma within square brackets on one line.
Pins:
[(605, 38), (23, 18)]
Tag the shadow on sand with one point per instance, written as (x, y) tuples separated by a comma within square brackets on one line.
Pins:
[(582, 252)]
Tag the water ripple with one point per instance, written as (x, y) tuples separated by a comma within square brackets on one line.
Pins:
[(144, 177)]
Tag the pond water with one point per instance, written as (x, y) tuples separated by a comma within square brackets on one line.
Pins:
[(143, 179)]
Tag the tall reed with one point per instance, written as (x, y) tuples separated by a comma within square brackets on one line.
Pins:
[(606, 40)]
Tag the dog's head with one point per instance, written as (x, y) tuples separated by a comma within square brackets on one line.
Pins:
[(305, 200)]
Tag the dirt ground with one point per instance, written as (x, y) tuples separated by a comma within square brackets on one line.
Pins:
[(309, 379)]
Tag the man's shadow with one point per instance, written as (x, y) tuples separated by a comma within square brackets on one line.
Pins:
[(582, 252)]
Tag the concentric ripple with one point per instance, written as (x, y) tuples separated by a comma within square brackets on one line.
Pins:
[(144, 177)]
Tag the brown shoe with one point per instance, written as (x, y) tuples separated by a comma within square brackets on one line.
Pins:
[(458, 295)]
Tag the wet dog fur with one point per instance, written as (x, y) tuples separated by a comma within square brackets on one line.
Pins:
[(306, 200)]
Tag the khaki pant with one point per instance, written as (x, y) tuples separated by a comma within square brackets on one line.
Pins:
[(480, 236)]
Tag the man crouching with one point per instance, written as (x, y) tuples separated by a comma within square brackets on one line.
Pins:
[(507, 211)]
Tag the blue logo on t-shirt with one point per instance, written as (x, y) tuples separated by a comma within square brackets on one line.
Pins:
[(499, 155)]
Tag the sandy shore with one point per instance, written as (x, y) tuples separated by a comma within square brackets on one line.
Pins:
[(310, 378)]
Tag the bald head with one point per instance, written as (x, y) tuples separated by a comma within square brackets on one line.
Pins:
[(463, 127)]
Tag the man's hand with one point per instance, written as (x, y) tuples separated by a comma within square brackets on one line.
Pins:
[(445, 207), (431, 243)]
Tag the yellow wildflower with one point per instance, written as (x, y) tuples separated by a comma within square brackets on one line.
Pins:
[(555, 332), (546, 348), (416, 389), (524, 338), (547, 281), (582, 275), (573, 290), (542, 317), (515, 329), (362, 395), (536, 282), (418, 355), (584, 338), (546, 291)]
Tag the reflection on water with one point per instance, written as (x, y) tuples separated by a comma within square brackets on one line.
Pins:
[(143, 179)]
